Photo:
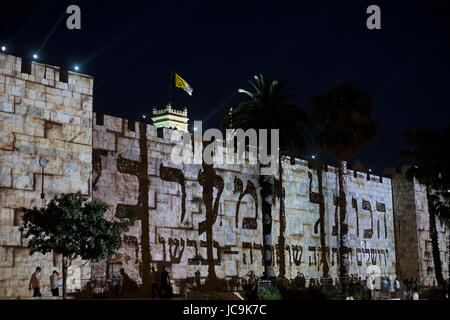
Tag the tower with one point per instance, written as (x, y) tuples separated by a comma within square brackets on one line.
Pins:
[(170, 118)]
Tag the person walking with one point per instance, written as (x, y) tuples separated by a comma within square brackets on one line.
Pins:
[(252, 286), (198, 281), (397, 288), (35, 283), (54, 283), (165, 288), (154, 282), (415, 294), (385, 288), (296, 281), (351, 288), (311, 283), (391, 289), (408, 288), (302, 281)]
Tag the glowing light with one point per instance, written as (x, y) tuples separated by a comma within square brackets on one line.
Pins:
[(313, 156), (370, 170), (3, 48), (35, 56), (143, 116), (195, 128), (76, 68)]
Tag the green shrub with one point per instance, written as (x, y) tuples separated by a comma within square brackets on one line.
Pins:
[(269, 293)]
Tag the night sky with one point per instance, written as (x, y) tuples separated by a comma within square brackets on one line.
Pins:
[(217, 46)]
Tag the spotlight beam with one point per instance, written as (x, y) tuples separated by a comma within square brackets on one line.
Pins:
[(122, 35), (51, 31), (28, 24)]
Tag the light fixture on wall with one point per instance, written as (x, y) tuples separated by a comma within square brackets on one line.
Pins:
[(43, 163)]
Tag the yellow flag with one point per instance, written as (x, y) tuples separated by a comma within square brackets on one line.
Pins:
[(181, 83)]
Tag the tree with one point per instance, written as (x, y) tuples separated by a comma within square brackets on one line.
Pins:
[(429, 151), (270, 108), (343, 117), (73, 227)]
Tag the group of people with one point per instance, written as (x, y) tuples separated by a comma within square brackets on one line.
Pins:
[(386, 289), (382, 288), (35, 283), (412, 289), (161, 283)]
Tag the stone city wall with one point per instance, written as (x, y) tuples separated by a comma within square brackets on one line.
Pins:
[(42, 115), (168, 200), (47, 113), (412, 223)]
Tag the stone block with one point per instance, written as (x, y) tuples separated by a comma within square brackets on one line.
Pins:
[(10, 236)]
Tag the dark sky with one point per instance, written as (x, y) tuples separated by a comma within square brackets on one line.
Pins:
[(217, 46)]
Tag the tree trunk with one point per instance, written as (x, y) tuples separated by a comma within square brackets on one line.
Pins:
[(343, 238), (208, 180), (434, 240), (266, 183), (64, 272), (281, 240), (323, 257)]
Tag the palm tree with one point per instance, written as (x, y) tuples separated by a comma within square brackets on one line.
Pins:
[(270, 108), (429, 151), (343, 116)]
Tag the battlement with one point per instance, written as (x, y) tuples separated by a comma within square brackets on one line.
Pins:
[(45, 74), (109, 124), (169, 110)]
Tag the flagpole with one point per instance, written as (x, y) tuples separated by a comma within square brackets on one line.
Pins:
[(170, 85)]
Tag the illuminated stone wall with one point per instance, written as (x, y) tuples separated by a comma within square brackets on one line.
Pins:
[(40, 116), (412, 223), (120, 172), (47, 113)]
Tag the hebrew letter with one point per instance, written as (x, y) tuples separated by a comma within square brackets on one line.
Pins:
[(175, 175), (358, 256), (381, 207), (336, 207), (368, 232), (247, 223), (355, 206), (297, 252)]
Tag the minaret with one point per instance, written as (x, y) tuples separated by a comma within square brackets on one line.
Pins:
[(170, 118)]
